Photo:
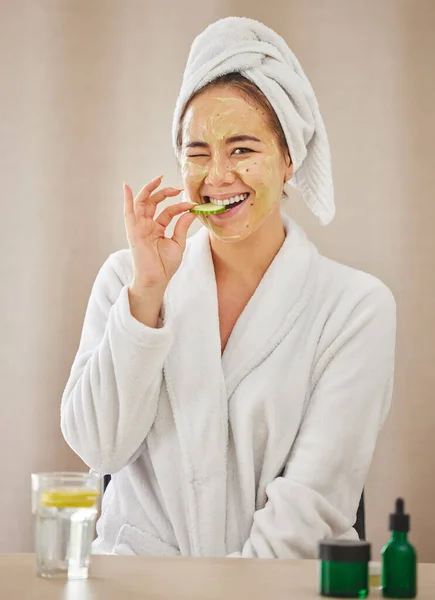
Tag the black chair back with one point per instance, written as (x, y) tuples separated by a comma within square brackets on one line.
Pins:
[(360, 524)]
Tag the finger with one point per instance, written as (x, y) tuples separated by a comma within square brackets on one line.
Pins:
[(144, 194), (155, 199), (129, 215), (182, 227), (166, 216)]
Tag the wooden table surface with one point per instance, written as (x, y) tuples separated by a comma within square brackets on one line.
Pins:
[(134, 577)]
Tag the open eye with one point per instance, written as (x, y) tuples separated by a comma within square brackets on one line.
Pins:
[(242, 150)]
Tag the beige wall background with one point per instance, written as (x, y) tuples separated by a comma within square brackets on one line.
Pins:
[(87, 93)]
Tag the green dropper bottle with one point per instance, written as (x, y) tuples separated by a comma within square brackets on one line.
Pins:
[(399, 559)]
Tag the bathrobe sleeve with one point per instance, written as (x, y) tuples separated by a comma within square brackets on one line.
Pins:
[(110, 401), (319, 493)]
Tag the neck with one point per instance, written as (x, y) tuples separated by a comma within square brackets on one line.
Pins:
[(250, 258), (399, 536)]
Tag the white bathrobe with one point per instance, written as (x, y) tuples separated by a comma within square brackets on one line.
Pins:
[(260, 452)]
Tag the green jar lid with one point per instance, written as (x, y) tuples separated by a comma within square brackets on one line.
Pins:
[(344, 551)]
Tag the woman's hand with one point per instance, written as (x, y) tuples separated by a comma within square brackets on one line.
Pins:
[(156, 258)]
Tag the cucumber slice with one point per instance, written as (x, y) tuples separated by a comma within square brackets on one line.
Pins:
[(208, 209)]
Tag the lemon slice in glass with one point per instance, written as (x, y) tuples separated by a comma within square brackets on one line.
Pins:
[(70, 498)]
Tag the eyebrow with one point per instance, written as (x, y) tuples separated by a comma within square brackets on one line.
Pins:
[(230, 140)]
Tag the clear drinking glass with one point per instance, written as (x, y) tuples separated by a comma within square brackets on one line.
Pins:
[(65, 506)]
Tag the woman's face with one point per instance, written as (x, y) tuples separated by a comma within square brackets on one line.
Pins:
[(230, 153)]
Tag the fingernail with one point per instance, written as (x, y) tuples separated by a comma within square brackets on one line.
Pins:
[(124, 184)]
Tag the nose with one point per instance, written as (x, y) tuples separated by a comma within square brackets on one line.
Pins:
[(220, 171)]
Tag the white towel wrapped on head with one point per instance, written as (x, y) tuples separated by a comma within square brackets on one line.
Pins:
[(248, 47)]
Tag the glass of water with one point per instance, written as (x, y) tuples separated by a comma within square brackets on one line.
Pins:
[(65, 506)]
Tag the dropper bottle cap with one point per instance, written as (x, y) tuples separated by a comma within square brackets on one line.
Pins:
[(399, 521)]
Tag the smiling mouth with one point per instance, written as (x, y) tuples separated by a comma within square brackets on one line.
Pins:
[(230, 203)]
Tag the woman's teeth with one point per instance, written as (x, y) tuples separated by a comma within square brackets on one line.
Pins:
[(232, 200)]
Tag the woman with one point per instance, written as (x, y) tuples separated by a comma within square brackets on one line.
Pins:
[(233, 386)]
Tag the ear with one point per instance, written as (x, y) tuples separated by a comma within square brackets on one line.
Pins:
[(289, 171)]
